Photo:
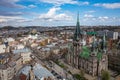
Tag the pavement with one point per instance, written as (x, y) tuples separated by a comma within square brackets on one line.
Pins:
[(77, 71)]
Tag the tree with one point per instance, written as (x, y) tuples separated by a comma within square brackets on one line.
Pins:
[(105, 75)]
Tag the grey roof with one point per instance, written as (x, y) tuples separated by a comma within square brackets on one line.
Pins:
[(25, 70), (46, 49), (11, 64), (16, 57), (1, 56), (2, 66), (24, 50), (38, 70)]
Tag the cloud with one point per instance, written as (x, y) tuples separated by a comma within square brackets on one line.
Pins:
[(11, 4), (91, 11), (6, 13), (99, 19), (62, 2), (52, 15), (103, 18), (15, 19), (59, 2), (2, 20), (32, 6), (84, 3), (88, 16), (108, 5)]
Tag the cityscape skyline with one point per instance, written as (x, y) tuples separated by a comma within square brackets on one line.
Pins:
[(59, 53), (59, 12)]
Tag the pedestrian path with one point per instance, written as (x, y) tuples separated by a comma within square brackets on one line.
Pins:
[(77, 71)]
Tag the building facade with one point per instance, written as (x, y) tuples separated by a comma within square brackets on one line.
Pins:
[(89, 57), (9, 66)]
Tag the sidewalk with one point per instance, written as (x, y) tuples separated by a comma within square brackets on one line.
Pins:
[(77, 71)]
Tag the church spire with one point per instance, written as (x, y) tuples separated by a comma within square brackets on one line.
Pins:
[(78, 17), (94, 44), (104, 42), (77, 33)]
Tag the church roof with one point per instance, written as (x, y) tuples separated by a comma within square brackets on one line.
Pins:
[(92, 33), (85, 52), (99, 56)]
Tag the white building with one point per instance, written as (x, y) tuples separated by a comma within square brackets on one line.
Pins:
[(10, 39), (20, 46), (2, 48), (115, 35)]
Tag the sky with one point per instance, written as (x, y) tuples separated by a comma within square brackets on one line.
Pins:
[(59, 12)]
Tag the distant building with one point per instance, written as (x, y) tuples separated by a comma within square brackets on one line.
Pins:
[(4, 48), (115, 35)]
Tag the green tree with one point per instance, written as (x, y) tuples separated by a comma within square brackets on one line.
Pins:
[(105, 75)]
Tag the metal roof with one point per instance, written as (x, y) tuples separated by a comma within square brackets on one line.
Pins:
[(24, 50), (38, 70)]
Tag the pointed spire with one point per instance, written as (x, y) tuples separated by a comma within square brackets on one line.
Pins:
[(77, 33), (78, 17), (104, 42), (93, 44)]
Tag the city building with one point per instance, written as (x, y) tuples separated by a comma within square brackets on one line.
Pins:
[(25, 54), (35, 72), (87, 57), (4, 48), (9, 65)]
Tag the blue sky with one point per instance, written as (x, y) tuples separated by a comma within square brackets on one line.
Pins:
[(59, 12)]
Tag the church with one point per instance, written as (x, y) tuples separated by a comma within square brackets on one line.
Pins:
[(90, 57)]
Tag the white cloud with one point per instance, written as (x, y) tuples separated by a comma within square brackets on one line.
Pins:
[(91, 11), (108, 5), (84, 3), (12, 19), (2, 20), (32, 6), (103, 18), (52, 15), (61, 2), (88, 16)]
